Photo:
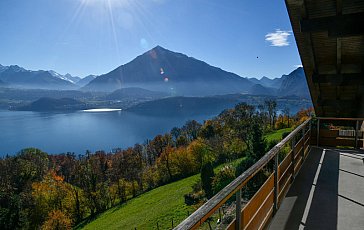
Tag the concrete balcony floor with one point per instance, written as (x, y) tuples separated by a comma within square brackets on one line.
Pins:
[(328, 192)]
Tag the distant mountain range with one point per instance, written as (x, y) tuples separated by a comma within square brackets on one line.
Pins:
[(267, 82), (17, 77), (287, 85), (162, 71), (84, 81)]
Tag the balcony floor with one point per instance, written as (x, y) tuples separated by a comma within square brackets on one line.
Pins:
[(328, 193)]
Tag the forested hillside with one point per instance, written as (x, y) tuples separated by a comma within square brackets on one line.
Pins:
[(43, 191)]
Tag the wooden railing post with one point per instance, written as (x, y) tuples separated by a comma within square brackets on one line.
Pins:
[(238, 210), (356, 133), (304, 142), (309, 136), (276, 189), (318, 131), (293, 155)]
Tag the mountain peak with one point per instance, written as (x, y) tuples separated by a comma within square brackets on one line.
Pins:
[(299, 70), (16, 68), (158, 47), (160, 69)]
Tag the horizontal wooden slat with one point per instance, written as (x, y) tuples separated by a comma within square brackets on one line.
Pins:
[(329, 133), (307, 140), (297, 166), (283, 180), (251, 208), (284, 164), (264, 210), (284, 188), (298, 145), (298, 154), (267, 218), (333, 142), (307, 149)]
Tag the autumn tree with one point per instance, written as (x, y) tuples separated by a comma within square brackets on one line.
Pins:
[(272, 111), (164, 161), (57, 220), (16, 177), (286, 112), (185, 162), (52, 193), (191, 129)]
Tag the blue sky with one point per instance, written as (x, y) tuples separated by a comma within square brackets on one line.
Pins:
[(81, 37)]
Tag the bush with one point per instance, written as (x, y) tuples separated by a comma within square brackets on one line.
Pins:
[(223, 178), (285, 134), (194, 198), (271, 144), (196, 195)]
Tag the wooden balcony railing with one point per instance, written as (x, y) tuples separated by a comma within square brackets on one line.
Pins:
[(333, 132), (257, 213)]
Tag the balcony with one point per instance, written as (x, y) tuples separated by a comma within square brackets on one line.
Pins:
[(315, 180)]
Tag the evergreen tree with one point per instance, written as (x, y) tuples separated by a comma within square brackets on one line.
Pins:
[(207, 176)]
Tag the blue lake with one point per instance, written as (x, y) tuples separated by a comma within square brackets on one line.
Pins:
[(80, 131)]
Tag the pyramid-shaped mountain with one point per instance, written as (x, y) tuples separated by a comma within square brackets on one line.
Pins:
[(163, 70)]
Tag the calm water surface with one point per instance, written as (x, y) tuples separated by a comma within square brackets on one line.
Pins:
[(80, 131)]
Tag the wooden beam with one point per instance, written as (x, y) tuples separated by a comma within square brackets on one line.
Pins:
[(339, 7), (294, 2), (337, 26), (349, 105), (339, 79)]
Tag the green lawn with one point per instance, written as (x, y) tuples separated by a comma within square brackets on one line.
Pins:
[(143, 212), (277, 134)]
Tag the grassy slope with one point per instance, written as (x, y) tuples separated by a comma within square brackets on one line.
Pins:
[(277, 135), (158, 205)]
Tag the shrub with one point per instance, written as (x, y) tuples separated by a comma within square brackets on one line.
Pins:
[(285, 134), (223, 178), (207, 175), (196, 195)]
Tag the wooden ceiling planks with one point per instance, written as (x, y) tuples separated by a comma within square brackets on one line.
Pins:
[(332, 55)]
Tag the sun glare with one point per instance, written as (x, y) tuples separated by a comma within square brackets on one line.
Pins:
[(112, 3)]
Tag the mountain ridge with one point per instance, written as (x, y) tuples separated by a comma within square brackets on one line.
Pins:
[(163, 69), (160, 70)]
